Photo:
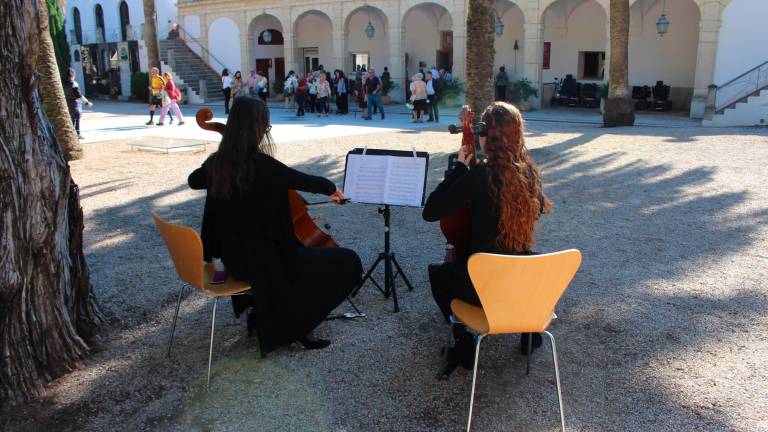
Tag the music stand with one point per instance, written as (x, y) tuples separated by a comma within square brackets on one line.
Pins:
[(387, 256)]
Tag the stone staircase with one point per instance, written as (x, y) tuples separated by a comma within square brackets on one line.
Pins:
[(188, 66), (751, 111)]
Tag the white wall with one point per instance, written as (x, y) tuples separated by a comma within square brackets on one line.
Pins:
[(743, 40), (224, 43), (313, 30), (582, 29), (357, 41), (166, 10), (423, 25), (191, 25), (513, 20), (671, 58)]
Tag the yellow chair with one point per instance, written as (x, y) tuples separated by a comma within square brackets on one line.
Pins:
[(518, 294), (186, 250)]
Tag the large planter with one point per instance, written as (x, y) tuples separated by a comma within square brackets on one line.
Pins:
[(450, 101), (386, 99), (524, 105)]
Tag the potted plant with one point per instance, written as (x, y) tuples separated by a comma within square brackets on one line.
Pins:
[(521, 91), (387, 85), (450, 92), (602, 91)]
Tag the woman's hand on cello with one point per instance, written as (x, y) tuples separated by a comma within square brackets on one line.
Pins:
[(338, 197), (464, 156)]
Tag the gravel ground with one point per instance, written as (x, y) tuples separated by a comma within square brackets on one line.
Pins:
[(663, 327)]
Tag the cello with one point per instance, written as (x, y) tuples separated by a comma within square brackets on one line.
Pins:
[(304, 227), (456, 227)]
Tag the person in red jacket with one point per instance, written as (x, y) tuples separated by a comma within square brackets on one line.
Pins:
[(301, 94), (171, 98)]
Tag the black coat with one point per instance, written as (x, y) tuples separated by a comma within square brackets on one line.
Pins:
[(252, 233)]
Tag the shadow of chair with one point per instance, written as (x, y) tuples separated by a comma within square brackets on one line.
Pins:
[(186, 250), (518, 294)]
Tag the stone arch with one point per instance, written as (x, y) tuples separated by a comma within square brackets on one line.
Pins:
[(546, 4), (513, 17), (313, 36), (428, 35), (270, 56), (357, 42), (224, 43)]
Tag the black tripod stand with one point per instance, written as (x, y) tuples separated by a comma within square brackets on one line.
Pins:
[(389, 258)]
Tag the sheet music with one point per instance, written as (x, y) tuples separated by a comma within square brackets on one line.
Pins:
[(375, 179)]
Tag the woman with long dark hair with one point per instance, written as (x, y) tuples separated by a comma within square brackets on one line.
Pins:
[(506, 199), (247, 223), (226, 88)]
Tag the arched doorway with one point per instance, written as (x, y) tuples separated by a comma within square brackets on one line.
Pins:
[(428, 40), (510, 45), (671, 58), (78, 26), (98, 13), (363, 50), (266, 47), (575, 41), (314, 41), (125, 20)]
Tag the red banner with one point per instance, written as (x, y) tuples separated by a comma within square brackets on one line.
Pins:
[(547, 53)]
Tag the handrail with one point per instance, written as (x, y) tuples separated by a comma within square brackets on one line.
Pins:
[(744, 85), (223, 66)]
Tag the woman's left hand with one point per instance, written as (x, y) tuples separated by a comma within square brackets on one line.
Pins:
[(464, 156), (338, 197)]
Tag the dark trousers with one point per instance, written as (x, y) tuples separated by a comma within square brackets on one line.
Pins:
[(301, 101), (342, 103), (451, 281), (322, 105), (227, 96), (434, 113), (75, 116), (312, 103), (501, 93)]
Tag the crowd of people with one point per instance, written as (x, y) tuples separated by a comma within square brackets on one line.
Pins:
[(321, 92)]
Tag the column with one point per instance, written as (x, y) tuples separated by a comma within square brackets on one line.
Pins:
[(203, 39), (709, 29), (534, 46), (396, 35), (289, 42), (339, 35), (607, 63), (245, 57), (459, 18)]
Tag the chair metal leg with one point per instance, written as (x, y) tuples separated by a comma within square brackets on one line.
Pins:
[(478, 340), (175, 316), (528, 357), (557, 379), (210, 350)]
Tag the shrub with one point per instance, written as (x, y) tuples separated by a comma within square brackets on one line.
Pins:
[(387, 86), (451, 89), (139, 86), (602, 90), (522, 90)]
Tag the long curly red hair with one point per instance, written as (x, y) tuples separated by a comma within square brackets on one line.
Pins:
[(515, 180)]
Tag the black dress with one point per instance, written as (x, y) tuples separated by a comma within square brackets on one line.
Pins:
[(451, 280), (294, 288)]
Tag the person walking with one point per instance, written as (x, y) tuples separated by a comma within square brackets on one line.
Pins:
[(289, 89), (262, 86), (156, 85), (362, 98), (312, 91), (301, 95), (252, 91), (323, 95), (171, 98), (226, 88), (75, 100), (502, 81), (342, 94), (433, 97), (238, 86), (418, 97), (373, 92)]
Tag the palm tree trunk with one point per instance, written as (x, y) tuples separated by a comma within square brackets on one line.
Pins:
[(150, 34), (47, 311), (619, 110), (54, 102), (480, 53)]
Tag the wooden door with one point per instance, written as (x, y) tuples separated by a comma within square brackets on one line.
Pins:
[(279, 69), (263, 66)]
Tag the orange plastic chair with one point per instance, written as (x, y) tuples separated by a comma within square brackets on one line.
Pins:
[(186, 250), (518, 294)]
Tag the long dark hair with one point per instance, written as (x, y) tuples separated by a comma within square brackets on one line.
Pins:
[(232, 168), (515, 178)]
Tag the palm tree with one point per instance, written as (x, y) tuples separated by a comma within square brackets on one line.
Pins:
[(47, 312), (480, 53), (150, 34), (619, 110)]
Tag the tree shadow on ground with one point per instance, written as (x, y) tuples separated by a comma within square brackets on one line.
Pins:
[(639, 227)]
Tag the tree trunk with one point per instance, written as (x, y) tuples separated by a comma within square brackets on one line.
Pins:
[(480, 53), (150, 34), (52, 91), (619, 110), (46, 304)]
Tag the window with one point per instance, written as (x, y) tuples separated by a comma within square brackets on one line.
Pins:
[(361, 59), (591, 65), (99, 13), (78, 27), (125, 21)]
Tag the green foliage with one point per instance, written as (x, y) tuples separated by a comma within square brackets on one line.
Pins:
[(277, 87), (451, 89), (387, 85), (59, 37), (522, 89), (139, 86), (602, 90)]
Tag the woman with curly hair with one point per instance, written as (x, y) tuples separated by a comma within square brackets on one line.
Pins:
[(506, 199)]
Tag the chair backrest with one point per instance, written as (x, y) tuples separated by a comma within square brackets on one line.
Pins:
[(519, 292), (186, 250)]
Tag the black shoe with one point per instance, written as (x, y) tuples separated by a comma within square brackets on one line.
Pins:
[(537, 340), (313, 344)]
